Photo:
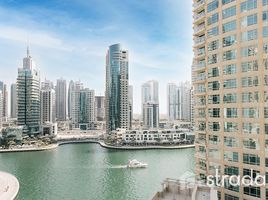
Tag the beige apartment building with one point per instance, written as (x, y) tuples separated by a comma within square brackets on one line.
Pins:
[(230, 79)]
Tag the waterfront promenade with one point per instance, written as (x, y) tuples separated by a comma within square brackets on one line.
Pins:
[(9, 186), (91, 138), (30, 148)]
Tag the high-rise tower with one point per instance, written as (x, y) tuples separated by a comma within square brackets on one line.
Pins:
[(116, 94), (28, 96), (13, 101), (230, 81), (61, 100)]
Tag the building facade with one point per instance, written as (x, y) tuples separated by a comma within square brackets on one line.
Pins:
[(13, 100), (28, 96), (116, 94), (150, 104), (48, 106), (83, 109), (3, 89), (150, 115), (61, 100), (185, 95), (173, 102), (230, 92), (100, 108), (130, 99), (70, 90)]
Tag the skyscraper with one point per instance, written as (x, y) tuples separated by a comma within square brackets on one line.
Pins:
[(61, 100), (130, 99), (173, 102), (1, 109), (28, 96), (3, 89), (185, 96), (13, 101), (150, 115), (150, 104), (70, 90), (47, 84), (48, 106), (116, 94), (100, 108), (83, 108), (230, 92)]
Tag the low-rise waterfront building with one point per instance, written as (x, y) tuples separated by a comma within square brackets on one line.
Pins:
[(154, 136)]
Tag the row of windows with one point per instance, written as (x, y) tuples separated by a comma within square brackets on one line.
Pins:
[(251, 81), (248, 51), (247, 127), (250, 112)]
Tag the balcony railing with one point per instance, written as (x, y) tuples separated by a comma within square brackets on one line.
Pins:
[(198, 4), (199, 40), (199, 28), (199, 16)]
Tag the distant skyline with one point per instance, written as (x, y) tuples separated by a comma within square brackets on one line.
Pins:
[(70, 38)]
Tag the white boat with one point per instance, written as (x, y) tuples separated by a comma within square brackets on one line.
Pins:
[(136, 164)]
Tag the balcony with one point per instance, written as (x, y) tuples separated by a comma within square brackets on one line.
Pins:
[(199, 66), (200, 53), (199, 40), (198, 17), (198, 5), (199, 29)]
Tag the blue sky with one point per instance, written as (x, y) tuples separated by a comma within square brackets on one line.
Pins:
[(69, 39)]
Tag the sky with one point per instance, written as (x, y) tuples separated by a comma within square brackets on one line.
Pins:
[(69, 39)]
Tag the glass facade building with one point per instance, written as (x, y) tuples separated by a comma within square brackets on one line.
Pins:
[(116, 95)]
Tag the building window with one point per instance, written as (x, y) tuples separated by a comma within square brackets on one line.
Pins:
[(229, 98), (250, 143), (226, 1), (265, 112), (265, 16), (250, 128), (265, 31), (212, 59), (250, 112), (212, 6), (229, 12), (229, 40), (213, 72), (213, 31), (229, 84), (229, 26), (230, 127), (249, 35), (214, 85), (229, 55), (230, 112), (252, 191), (229, 69), (250, 97), (231, 141), (250, 81), (213, 45), (214, 99), (214, 112), (213, 19), (249, 66), (251, 159), (249, 51), (231, 156), (249, 20), (248, 5)]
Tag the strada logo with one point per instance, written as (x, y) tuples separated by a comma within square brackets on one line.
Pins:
[(253, 179)]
